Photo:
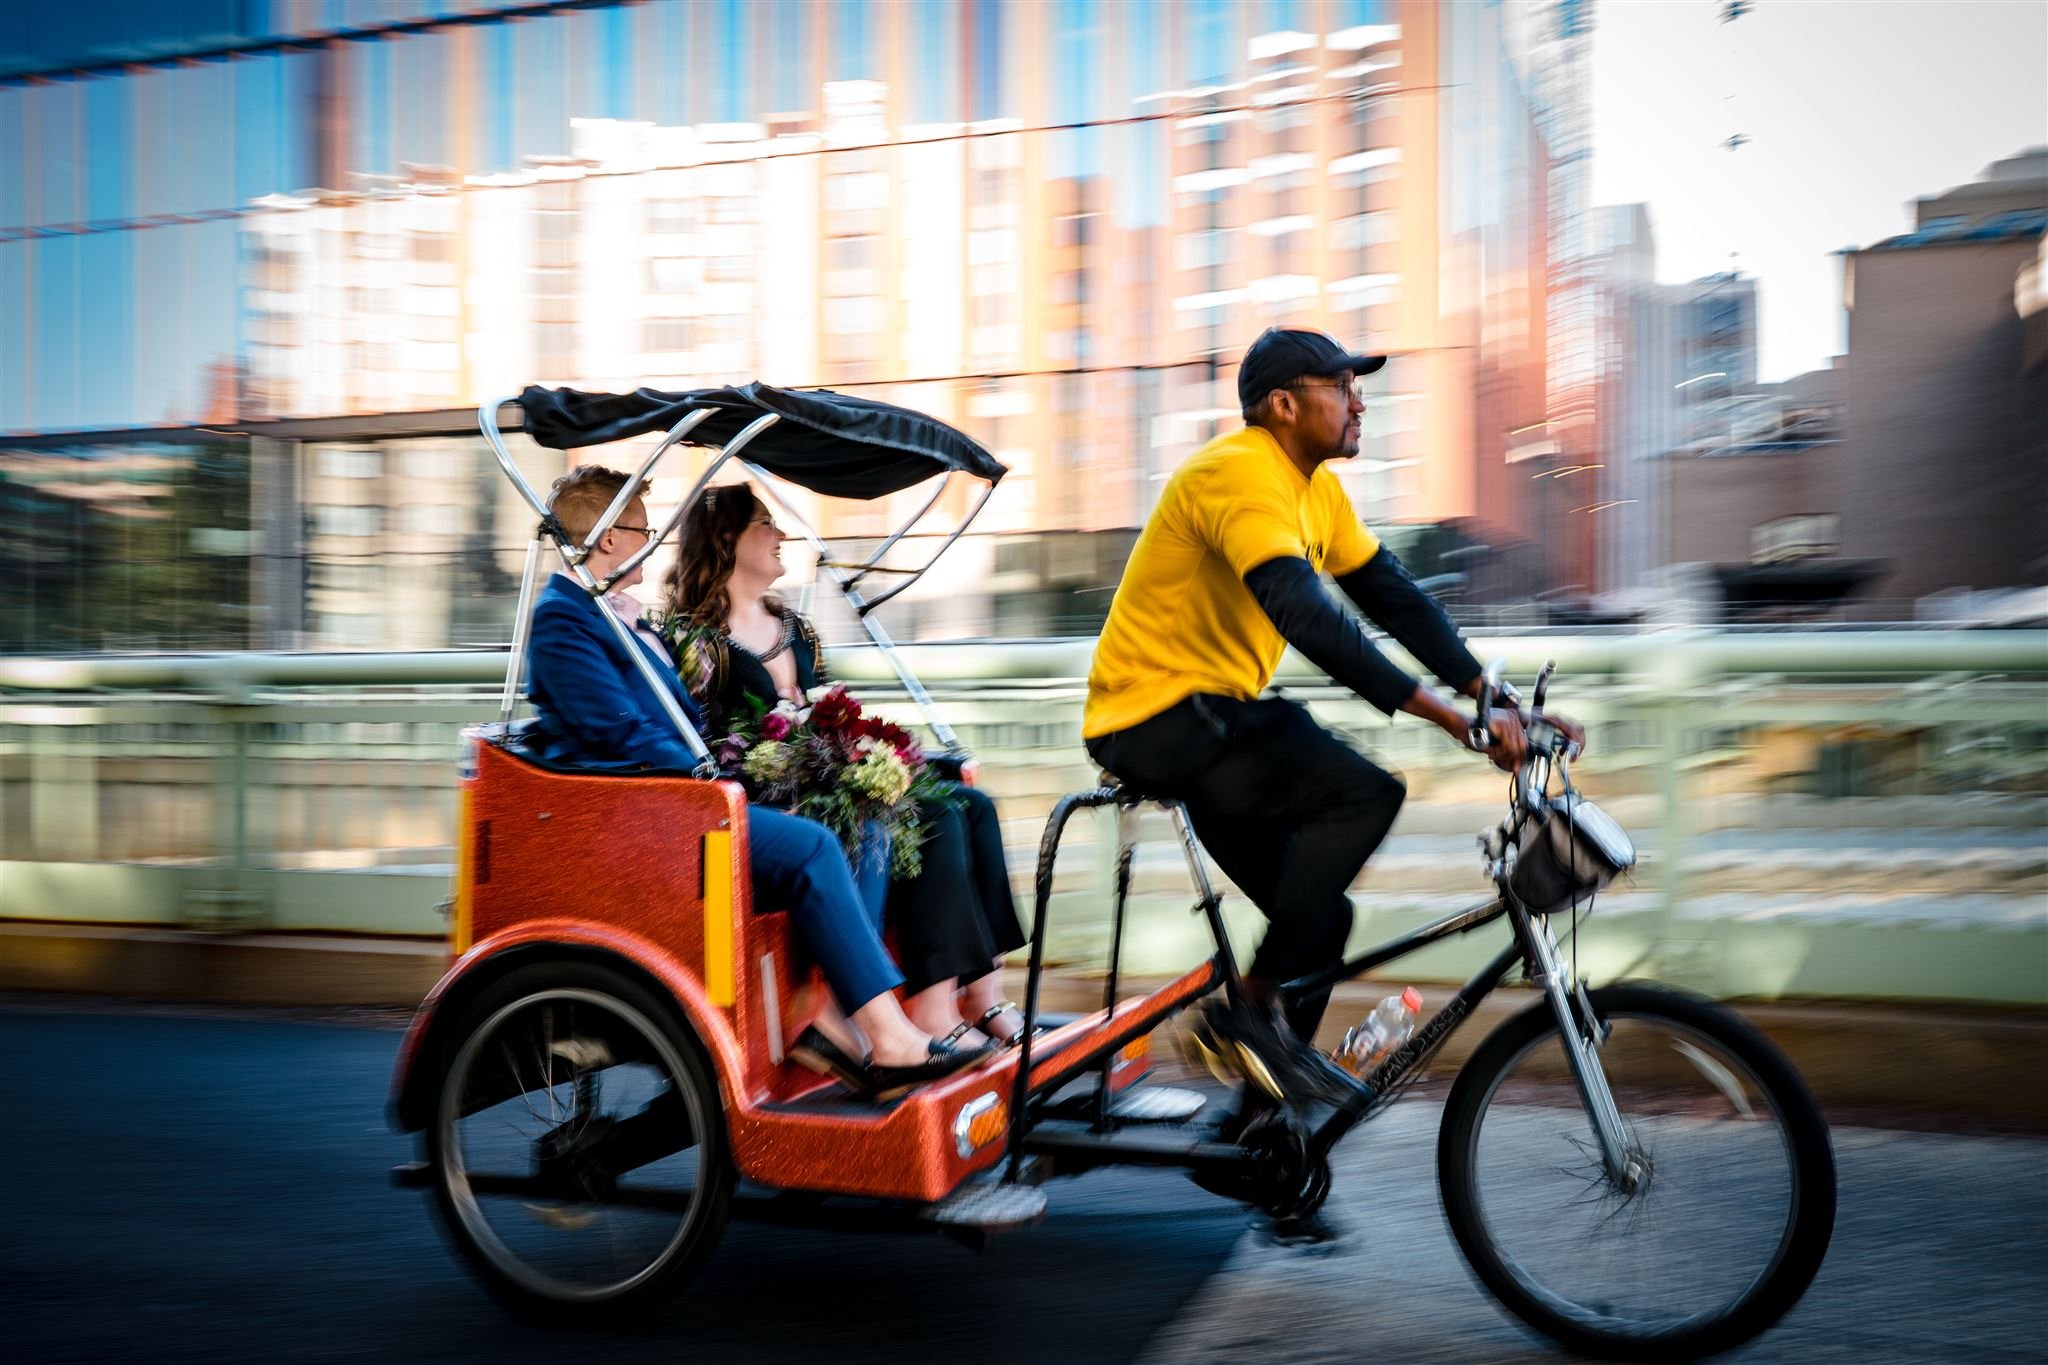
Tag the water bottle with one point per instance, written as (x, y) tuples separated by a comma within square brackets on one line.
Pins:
[(1383, 1031)]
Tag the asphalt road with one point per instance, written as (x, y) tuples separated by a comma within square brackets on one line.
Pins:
[(198, 1188)]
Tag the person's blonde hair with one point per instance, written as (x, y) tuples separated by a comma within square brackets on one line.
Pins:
[(580, 496)]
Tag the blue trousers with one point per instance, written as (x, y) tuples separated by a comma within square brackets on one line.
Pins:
[(798, 863)]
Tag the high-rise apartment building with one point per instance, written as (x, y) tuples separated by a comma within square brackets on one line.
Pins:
[(1056, 225)]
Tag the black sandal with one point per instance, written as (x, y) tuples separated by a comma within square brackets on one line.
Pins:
[(816, 1052), (1004, 1007)]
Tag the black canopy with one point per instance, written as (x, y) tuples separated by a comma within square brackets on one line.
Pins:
[(831, 443)]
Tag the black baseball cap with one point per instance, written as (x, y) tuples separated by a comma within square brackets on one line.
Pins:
[(1282, 355)]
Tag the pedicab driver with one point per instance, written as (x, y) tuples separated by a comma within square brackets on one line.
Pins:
[(1223, 578)]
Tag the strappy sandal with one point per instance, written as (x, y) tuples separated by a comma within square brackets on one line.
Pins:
[(996, 1010)]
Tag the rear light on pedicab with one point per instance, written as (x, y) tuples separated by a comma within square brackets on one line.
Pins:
[(981, 1120), (1137, 1052)]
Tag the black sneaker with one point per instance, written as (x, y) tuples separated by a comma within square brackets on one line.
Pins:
[(1266, 1051), (1313, 1231)]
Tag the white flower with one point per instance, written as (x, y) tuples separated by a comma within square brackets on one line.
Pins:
[(881, 776), (767, 762), (817, 692)]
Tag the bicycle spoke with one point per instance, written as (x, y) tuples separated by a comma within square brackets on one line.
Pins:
[(545, 1206), (1704, 1220)]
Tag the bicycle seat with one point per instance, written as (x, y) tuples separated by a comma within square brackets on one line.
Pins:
[(1127, 793)]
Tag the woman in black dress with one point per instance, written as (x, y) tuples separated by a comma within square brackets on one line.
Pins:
[(957, 918)]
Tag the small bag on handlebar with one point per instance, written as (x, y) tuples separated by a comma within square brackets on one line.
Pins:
[(1569, 849)]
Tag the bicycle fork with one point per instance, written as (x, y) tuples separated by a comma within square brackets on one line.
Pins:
[(1581, 1047)]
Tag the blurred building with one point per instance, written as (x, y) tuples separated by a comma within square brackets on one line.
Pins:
[(1678, 388), (1571, 532), (1755, 514), (1641, 363), (1883, 487), (1945, 447), (1055, 225)]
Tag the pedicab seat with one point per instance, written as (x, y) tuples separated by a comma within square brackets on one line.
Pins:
[(534, 827)]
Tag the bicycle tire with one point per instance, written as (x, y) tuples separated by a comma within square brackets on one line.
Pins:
[(1595, 1330), (674, 1043)]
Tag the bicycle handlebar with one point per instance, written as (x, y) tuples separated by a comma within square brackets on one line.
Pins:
[(1494, 688), (1481, 736)]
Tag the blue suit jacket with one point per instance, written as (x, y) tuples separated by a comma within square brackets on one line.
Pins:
[(596, 711)]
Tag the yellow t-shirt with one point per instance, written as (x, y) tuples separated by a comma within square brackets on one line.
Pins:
[(1183, 621)]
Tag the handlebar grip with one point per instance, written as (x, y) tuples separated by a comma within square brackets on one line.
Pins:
[(1543, 682), (1481, 735)]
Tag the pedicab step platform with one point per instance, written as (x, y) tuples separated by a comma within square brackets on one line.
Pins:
[(988, 1207)]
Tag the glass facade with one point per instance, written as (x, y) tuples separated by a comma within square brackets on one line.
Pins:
[(1056, 225)]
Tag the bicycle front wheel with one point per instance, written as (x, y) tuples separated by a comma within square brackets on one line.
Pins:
[(1723, 1221)]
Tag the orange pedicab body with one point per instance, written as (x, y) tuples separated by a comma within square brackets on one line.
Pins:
[(653, 870)]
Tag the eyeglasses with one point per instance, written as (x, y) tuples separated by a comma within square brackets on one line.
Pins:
[(1354, 387), (647, 531), (768, 522)]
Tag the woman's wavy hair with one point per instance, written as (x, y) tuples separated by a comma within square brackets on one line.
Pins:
[(697, 587)]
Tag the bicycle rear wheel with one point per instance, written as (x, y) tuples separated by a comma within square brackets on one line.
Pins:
[(578, 1145), (1719, 1236)]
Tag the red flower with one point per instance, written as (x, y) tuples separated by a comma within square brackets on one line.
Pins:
[(835, 710), (890, 733), (775, 725)]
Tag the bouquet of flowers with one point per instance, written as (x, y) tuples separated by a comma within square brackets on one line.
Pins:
[(853, 773)]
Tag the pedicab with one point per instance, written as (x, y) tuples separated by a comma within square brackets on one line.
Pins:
[(600, 1081)]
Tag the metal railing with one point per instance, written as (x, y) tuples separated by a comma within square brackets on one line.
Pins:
[(1826, 813)]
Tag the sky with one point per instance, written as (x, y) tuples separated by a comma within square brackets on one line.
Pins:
[(1854, 108)]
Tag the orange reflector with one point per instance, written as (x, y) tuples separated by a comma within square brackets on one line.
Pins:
[(719, 984), (982, 1120), (1134, 1053)]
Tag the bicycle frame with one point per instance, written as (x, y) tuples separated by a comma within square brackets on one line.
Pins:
[(1531, 942)]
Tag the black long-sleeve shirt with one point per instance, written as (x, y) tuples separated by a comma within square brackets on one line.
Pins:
[(1301, 609)]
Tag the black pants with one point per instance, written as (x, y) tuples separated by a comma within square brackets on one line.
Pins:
[(958, 913), (1287, 809)]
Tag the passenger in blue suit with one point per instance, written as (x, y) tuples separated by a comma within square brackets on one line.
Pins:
[(598, 712)]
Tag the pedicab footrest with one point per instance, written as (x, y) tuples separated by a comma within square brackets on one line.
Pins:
[(988, 1207), (1160, 1104)]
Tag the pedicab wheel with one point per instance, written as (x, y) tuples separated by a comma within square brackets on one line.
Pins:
[(577, 1145), (1730, 1202)]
